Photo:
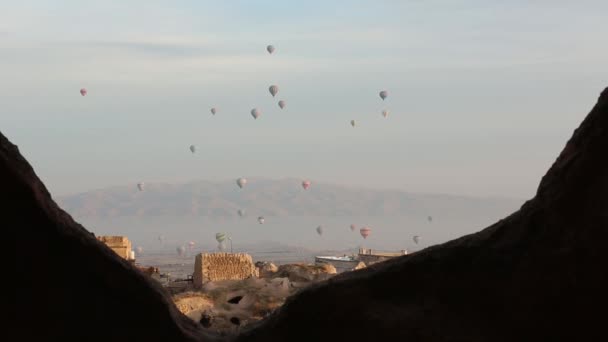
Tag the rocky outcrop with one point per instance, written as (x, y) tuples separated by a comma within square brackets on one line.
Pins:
[(306, 273), (266, 269), (540, 274), (68, 285)]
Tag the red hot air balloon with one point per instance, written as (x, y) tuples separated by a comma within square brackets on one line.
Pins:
[(365, 231), (306, 184), (83, 91), (353, 227)]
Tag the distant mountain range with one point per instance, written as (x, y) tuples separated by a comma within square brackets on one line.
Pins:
[(271, 198)]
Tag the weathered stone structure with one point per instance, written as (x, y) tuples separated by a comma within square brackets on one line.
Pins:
[(119, 244), (370, 257), (222, 266)]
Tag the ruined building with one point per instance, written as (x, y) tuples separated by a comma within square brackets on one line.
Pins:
[(223, 266)]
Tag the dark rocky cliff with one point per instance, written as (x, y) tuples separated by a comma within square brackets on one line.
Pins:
[(539, 274)]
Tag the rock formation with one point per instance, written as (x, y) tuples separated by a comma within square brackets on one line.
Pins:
[(68, 285), (540, 274)]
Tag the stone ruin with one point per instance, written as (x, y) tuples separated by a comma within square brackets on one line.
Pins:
[(119, 244), (223, 266)]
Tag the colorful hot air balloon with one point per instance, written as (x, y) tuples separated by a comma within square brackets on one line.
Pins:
[(255, 113), (383, 94), (181, 250), (320, 230), (353, 227), (365, 231), (385, 113), (213, 110), (416, 238), (220, 237), (83, 92), (241, 212), (191, 244), (140, 186), (261, 220), (306, 184), (273, 89), (282, 104), (352, 123), (192, 148), (270, 49), (241, 182)]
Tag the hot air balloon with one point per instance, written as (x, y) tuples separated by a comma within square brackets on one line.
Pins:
[(320, 230), (282, 104), (415, 238), (83, 92), (270, 49), (255, 113), (383, 94), (191, 244), (220, 237), (139, 250), (430, 218), (306, 184), (261, 219), (273, 89), (213, 110), (352, 123), (161, 238), (140, 186), (241, 212), (365, 231), (192, 148), (385, 113), (181, 250), (241, 182), (353, 227)]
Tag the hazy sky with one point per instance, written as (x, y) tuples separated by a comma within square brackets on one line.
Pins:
[(483, 94)]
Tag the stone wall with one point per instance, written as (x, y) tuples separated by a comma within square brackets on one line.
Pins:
[(222, 266), (119, 244), (370, 257)]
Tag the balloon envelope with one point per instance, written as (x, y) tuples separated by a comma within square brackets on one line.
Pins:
[(365, 231), (270, 49), (241, 212), (353, 227), (383, 94), (192, 148), (241, 182), (220, 237), (139, 250), (282, 104), (83, 91), (415, 238), (213, 110), (273, 89), (385, 113), (306, 184), (181, 250), (430, 218), (255, 113), (261, 219), (140, 186), (320, 230), (352, 123)]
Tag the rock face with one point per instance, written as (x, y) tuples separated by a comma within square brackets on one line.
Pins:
[(68, 285), (540, 274)]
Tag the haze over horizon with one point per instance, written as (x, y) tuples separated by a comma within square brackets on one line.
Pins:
[(482, 95)]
